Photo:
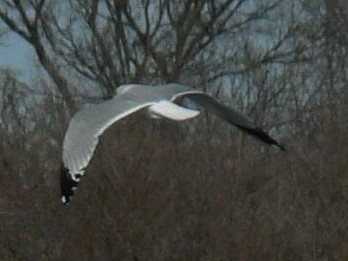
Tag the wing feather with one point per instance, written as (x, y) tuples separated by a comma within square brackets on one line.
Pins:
[(82, 137), (233, 117), (87, 125)]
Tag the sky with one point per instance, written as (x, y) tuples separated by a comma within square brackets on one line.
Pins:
[(17, 55)]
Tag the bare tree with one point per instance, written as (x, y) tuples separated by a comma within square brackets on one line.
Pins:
[(17, 15), (336, 21), (115, 42)]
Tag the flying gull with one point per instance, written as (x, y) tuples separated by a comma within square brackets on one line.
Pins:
[(88, 124)]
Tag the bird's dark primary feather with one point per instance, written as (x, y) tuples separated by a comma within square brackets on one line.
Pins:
[(67, 185)]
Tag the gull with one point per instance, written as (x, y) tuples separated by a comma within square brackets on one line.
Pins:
[(85, 127)]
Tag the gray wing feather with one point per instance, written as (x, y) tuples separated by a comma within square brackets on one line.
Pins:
[(175, 91), (233, 117), (230, 115), (85, 127)]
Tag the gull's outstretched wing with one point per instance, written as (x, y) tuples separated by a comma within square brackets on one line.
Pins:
[(82, 135), (231, 116)]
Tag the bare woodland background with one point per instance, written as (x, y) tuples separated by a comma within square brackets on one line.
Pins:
[(198, 190)]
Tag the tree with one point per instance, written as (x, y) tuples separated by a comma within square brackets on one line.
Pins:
[(138, 41)]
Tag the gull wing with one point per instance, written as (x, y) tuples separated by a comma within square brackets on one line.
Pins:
[(231, 116), (82, 135)]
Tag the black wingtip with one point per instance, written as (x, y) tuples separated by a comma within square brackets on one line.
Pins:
[(67, 185), (281, 147), (261, 135)]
